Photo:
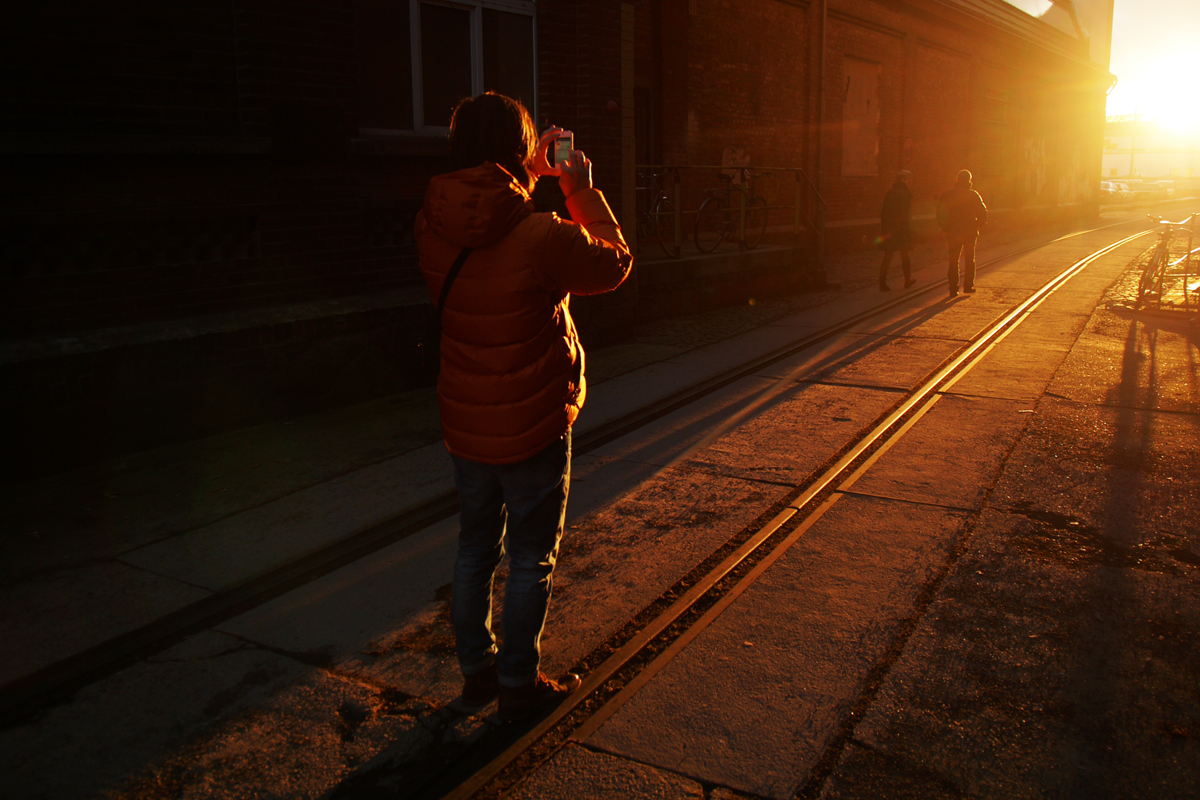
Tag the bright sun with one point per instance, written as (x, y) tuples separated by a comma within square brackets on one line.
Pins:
[(1161, 88)]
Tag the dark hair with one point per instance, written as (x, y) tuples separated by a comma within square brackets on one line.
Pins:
[(495, 128)]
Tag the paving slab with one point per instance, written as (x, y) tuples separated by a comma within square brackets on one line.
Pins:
[(739, 350), (866, 359), (892, 363), (1134, 360), (84, 607), (113, 730), (1121, 474), (241, 547), (669, 439), (102, 510), (300, 744), (359, 619), (576, 773), (618, 559), (930, 317), (771, 446), (952, 456), (1022, 364), (1060, 658), (752, 702), (1043, 669)]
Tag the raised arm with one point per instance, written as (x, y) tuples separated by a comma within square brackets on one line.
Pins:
[(587, 255)]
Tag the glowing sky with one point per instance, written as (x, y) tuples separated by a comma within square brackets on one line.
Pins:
[(1156, 58)]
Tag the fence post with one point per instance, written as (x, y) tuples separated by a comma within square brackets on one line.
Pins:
[(820, 269), (796, 221), (678, 210), (742, 210)]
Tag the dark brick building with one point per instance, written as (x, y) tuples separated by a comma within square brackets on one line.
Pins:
[(854, 90), (207, 204)]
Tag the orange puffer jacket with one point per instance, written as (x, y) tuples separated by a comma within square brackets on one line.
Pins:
[(511, 379)]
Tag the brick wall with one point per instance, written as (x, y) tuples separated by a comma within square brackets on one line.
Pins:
[(579, 74), (964, 93), (580, 88), (168, 160), (112, 68), (181, 177), (735, 76)]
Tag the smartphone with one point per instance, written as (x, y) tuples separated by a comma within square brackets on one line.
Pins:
[(563, 146)]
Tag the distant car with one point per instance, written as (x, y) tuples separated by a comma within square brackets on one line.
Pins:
[(1114, 192), (1168, 187), (1142, 192)]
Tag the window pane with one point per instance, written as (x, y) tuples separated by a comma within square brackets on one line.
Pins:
[(384, 64), (508, 55), (445, 60)]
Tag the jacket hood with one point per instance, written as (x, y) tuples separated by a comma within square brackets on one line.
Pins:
[(475, 207)]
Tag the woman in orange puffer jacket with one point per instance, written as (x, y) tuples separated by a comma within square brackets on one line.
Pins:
[(512, 380)]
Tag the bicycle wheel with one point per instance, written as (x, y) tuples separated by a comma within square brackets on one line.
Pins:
[(1150, 275), (756, 221), (662, 225), (710, 225)]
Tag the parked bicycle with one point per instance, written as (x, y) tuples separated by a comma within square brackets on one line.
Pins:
[(1160, 265), (656, 223), (720, 216)]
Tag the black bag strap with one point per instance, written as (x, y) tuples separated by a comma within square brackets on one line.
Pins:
[(450, 276)]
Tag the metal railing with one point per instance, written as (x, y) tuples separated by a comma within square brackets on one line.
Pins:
[(663, 193)]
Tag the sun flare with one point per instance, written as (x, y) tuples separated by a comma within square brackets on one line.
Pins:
[(1162, 88)]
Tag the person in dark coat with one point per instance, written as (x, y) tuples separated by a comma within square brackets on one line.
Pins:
[(961, 214), (896, 221)]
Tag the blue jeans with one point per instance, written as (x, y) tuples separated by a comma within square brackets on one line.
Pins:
[(519, 508), (961, 247)]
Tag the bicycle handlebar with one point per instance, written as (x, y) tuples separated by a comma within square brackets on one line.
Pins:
[(1181, 224)]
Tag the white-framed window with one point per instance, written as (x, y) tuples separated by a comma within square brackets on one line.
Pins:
[(420, 57)]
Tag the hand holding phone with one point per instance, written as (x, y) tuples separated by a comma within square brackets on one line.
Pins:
[(555, 146), (544, 161), (563, 146)]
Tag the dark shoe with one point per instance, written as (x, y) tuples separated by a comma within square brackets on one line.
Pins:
[(968, 290), (954, 292), (909, 282), (480, 689), (883, 287), (524, 701)]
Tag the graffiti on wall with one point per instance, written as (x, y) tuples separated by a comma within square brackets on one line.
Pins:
[(1073, 183), (1033, 164)]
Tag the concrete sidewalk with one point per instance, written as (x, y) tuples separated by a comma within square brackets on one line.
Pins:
[(100, 551), (277, 652), (104, 549), (1004, 605)]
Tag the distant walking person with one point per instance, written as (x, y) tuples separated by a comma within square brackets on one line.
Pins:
[(896, 224), (512, 377), (961, 214)]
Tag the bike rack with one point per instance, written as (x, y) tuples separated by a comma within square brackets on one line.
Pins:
[(809, 207), (1174, 228)]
